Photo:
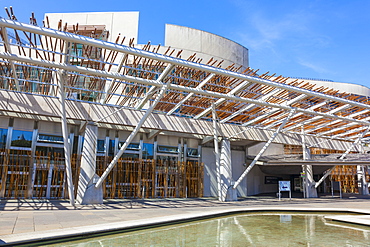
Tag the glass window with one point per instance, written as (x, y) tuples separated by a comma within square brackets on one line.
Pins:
[(131, 146), (101, 146), (167, 149), (75, 144), (21, 138), (192, 152), (111, 147), (130, 156), (3, 135), (50, 138), (52, 152), (148, 151)]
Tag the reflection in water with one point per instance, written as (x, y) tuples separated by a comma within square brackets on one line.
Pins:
[(242, 230)]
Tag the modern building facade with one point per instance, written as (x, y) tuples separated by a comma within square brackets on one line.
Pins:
[(87, 112)]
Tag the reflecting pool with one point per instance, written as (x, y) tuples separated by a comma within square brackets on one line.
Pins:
[(242, 230)]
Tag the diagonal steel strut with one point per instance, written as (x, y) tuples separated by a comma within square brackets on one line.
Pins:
[(204, 82), (133, 133), (154, 89), (95, 72), (67, 152), (343, 156), (217, 150), (249, 168)]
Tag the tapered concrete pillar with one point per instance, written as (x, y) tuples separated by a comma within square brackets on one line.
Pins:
[(309, 182), (227, 182), (363, 187), (87, 193)]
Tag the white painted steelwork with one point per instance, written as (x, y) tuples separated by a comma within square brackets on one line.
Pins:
[(134, 132), (358, 140), (67, 149), (139, 80), (267, 144), (217, 152), (129, 50), (191, 94)]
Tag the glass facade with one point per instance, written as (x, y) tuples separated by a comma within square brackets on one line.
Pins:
[(46, 163), (131, 146), (100, 146), (148, 151), (50, 138), (3, 135), (21, 138), (112, 143), (168, 149), (193, 152)]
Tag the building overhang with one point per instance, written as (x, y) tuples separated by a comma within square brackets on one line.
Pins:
[(249, 106), (316, 163)]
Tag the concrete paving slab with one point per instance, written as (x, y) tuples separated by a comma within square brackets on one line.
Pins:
[(49, 216)]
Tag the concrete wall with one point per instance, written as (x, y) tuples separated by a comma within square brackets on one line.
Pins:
[(49, 128), (126, 23), (273, 149), (206, 45), (210, 181), (343, 87), (238, 161), (256, 178), (25, 124), (4, 122)]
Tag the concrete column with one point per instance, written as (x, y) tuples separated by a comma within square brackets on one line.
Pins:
[(227, 182), (9, 137), (155, 146), (200, 154), (141, 145), (185, 153), (32, 171), (311, 191), (363, 187), (106, 144), (5, 167), (87, 193), (79, 144), (179, 147), (116, 145), (309, 182), (48, 184)]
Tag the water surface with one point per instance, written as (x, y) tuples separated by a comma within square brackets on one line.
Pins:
[(242, 230)]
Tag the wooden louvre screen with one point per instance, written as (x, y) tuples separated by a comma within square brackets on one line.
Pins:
[(44, 176), (15, 173)]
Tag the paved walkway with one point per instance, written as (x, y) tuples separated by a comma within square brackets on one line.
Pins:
[(22, 221)]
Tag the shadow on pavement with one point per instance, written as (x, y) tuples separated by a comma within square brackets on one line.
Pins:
[(265, 199)]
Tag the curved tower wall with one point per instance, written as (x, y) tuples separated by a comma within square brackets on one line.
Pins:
[(342, 87), (206, 45), (124, 23)]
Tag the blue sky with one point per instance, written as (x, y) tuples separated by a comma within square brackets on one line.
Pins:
[(326, 39)]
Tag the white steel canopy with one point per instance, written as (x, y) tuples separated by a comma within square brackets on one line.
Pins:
[(111, 73)]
